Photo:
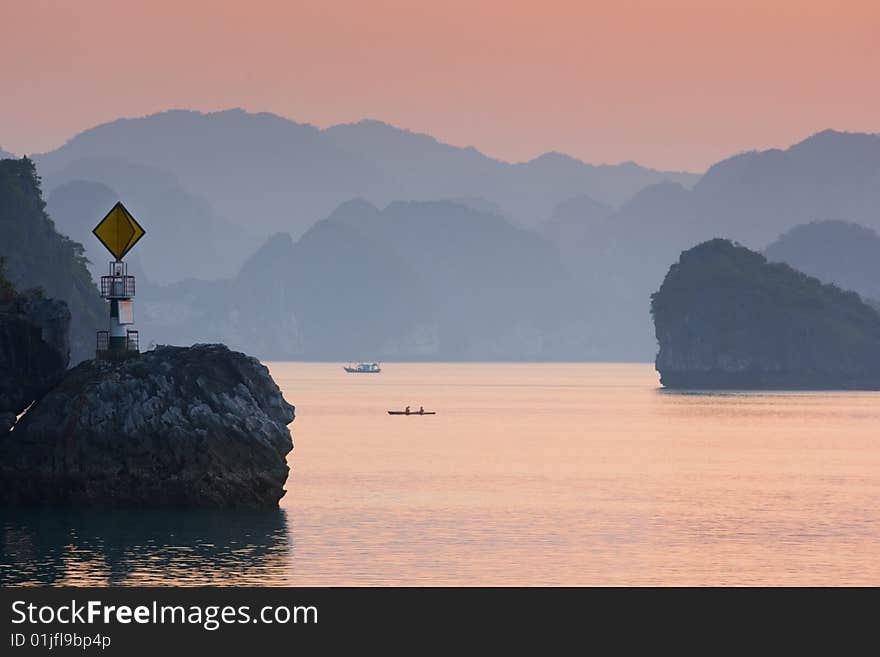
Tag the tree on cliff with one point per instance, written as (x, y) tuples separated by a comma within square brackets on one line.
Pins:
[(37, 256)]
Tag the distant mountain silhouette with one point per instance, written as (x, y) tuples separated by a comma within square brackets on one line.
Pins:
[(185, 236), (268, 174), (526, 192), (417, 280), (838, 252), (479, 205), (575, 221), (751, 198), (76, 207), (761, 194), (211, 186)]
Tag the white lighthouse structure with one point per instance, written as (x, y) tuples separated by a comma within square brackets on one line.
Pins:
[(120, 340), (118, 231)]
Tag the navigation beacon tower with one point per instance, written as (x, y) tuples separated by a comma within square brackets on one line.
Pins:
[(118, 232)]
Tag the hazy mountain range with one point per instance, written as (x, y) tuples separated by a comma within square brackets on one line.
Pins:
[(412, 281), (185, 236), (236, 176), (751, 198), (549, 259), (838, 252)]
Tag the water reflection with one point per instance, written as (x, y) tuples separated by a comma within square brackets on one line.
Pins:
[(109, 547), (577, 475)]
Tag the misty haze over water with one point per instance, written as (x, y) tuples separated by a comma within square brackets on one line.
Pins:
[(363, 241)]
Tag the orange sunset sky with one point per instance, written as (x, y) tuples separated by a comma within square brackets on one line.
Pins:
[(674, 84)]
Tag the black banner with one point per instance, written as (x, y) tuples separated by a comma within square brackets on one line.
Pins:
[(220, 621)]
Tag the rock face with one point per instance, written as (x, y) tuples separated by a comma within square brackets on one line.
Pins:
[(201, 426), (38, 256), (34, 352), (726, 318)]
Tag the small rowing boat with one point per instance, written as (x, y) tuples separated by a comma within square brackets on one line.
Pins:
[(412, 412)]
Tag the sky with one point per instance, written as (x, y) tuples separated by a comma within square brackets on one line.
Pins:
[(677, 84)]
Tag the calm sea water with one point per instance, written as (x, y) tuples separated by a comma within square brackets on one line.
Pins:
[(538, 474)]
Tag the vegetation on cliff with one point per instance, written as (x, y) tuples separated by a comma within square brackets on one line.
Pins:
[(7, 289), (37, 256), (725, 317)]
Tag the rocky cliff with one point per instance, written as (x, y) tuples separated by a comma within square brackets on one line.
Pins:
[(37, 256), (178, 427), (726, 318), (34, 351)]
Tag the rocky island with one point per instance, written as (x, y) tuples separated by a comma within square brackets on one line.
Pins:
[(34, 349), (726, 318), (201, 426), (197, 426)]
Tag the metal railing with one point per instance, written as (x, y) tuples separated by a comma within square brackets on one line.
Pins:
[(102, 344), (117, 286)]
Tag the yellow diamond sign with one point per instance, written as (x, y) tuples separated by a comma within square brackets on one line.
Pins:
[(118, 231)]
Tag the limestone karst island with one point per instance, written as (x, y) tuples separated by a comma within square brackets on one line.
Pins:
[(178, 427), (725, 317)]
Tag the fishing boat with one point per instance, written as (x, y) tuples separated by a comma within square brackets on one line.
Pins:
[(362, 368)]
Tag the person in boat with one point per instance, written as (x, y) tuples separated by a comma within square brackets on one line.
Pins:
[(407, 410), (421, 410)]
